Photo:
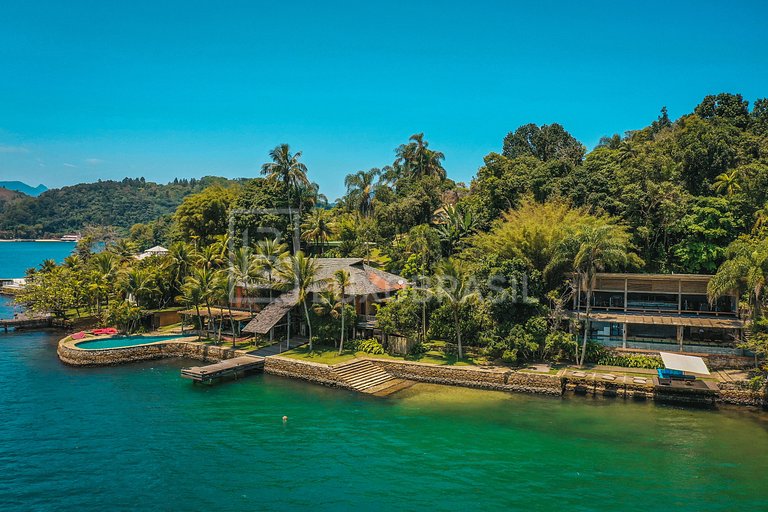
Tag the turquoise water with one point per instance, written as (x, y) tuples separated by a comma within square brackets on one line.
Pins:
[(17, 257), (138, 437), (122, 341)]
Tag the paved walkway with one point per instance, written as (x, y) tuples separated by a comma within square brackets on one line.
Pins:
[(278, 348)]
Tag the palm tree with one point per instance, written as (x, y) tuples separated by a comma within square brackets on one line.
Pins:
[(342, 281), (361, 187), (591, 249), (318, 226), (210, 256), (209, 283), (286, 168), (454, 225), (727, 183), (454, 287), (746, 267), (270, 255), (416, 159), (47, 266), (181, 256), (300, 272), (244, 269), (137, 282), (192, 295), (106, 267), (761, 220)]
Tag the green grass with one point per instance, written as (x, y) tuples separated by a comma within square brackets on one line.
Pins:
[(330, 356)]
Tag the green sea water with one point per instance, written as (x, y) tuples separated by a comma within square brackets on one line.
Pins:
[(139, 437)]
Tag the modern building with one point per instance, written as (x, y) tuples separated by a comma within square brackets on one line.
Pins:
[(368, 286), (157, 250), (659, 312)]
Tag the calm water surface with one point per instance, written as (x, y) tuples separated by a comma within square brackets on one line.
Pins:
[(17, 257), (139, 437)]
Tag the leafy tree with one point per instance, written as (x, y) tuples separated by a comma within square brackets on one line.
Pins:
[(545, 142), (202, 216), (745, 268), (455, 224)]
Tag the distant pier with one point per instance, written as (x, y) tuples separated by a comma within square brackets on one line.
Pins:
[(227, 368)]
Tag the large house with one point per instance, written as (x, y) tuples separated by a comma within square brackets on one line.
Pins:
[(368, 286), (659, 312)]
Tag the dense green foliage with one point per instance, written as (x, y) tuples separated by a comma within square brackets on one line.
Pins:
[(105, 203), (489, 261)]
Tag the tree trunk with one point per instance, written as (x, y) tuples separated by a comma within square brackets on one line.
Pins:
[(199, 323), (231, 323), (309, 324), (341, 342), (458, 331)]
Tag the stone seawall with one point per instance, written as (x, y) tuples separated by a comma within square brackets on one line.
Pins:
[(305, 370), (181, 347), (493, 378), (731, 393)]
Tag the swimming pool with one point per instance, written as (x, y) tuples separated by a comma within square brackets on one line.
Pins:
[(122, 341)]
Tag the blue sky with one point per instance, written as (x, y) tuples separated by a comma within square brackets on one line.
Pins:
[(168, 89)]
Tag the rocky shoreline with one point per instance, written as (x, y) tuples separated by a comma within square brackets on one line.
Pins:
[(492, 378)]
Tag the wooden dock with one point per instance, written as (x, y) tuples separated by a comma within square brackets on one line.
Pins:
[(26, 322), (227, 368)]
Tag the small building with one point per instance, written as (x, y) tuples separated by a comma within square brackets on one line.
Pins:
[(157, 250), (659, 312), (367, 287)]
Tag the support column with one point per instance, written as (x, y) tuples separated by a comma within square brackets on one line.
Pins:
[(624, 337), (626, 289), (288, 332), (680, 336)]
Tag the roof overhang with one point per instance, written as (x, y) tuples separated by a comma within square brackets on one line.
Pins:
[(657, 319)]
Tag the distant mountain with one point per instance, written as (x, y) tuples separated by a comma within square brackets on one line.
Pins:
[(19, 186), (105, 203)]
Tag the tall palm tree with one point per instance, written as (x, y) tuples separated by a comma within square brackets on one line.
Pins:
[(342, 281), (318, 226), (210, 256), (209, 282), (416, 159), (454, 287), (245, 271), (361, 187), (192, 295), (48, 265), (727, 183), (591, 249), (270, 255), (106, 266), (300, 272), (286, 168), (181, 257), (746, 267), (137, 283)]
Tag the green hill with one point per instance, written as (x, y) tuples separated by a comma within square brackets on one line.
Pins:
[(104, 203)]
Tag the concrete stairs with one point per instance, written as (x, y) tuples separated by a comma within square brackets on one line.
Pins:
[(366, 377)]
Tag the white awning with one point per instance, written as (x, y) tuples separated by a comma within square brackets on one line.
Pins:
[(683, 363)]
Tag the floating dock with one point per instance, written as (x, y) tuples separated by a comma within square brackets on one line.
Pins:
[(25, 322), (227, 368)]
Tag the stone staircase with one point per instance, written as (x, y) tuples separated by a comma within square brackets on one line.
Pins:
[(366, 377)]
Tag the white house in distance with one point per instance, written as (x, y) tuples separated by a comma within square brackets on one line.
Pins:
[(157, 250)]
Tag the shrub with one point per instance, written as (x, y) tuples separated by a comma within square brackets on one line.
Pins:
[(509, 356), (417, 349), (630, 360), (370, 346)]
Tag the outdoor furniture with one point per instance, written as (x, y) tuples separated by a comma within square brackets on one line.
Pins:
[(665, 373)]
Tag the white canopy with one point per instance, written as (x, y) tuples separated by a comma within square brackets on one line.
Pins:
[(683, 363)]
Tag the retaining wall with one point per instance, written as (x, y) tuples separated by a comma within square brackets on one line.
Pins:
[(305, 370), (182, 347)]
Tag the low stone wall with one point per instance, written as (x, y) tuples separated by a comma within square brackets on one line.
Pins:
[(493, 378), (732, 393), (180, 347), (585, 385), (305, 370)]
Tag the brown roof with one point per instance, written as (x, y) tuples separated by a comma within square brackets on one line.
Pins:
[(273, 313), (364, 280), (658, 319)]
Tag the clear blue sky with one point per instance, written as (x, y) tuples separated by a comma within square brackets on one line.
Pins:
[(162, 89)]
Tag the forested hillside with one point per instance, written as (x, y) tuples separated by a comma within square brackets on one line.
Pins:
[(104, 203), (686, 189)]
